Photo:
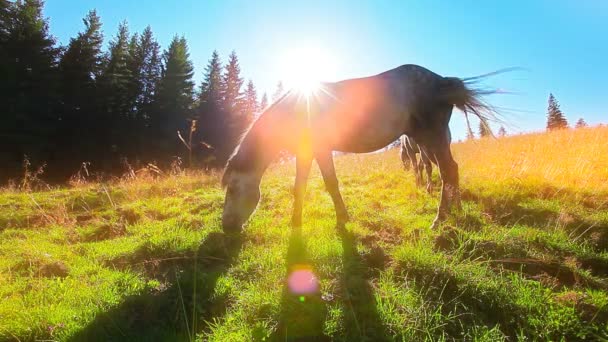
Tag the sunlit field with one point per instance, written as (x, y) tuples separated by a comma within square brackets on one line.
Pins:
[(145, 258)]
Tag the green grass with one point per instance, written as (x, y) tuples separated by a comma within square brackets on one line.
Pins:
[(146, 260)]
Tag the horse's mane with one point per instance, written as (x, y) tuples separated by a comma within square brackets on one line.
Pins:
[(236, 161)]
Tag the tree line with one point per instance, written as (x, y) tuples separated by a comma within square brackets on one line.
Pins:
[(134, 103), (65, 105), (555, 120)]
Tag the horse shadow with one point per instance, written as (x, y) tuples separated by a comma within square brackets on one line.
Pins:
[(178, 308), (302, 318), (302, 315), (361, 311)]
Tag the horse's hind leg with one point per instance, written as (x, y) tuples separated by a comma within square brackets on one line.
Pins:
[(428, 166), (411, 154), (416, 168), (448, 169), (404, 156), (326, 165)]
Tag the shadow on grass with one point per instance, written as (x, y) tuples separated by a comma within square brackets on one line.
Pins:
[(361, 317), (510, 211), (516, 209), (516, 256), (303, 311), (460, 305), (303, 316), (179, 308), (465, 306)]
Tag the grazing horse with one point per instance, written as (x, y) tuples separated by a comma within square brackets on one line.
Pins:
[(409, 149), (357, 115)]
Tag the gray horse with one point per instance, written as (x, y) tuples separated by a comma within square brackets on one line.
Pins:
[(356, 115), (409, 150)]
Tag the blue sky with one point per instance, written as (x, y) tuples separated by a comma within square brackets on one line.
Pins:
[(562, 45)]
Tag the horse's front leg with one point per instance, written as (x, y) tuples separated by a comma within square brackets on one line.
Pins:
[(326, 165), (303, 163)]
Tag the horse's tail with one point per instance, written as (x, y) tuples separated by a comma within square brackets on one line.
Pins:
[(469, 99)]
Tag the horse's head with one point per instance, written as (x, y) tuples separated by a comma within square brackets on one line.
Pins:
[(242, 197)]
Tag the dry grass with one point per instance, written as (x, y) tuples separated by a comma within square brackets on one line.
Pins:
[(573, 159)]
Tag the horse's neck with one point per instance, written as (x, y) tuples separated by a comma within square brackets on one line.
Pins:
[(254, 152), (264, 140)]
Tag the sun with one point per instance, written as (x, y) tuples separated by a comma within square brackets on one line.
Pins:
[(303, 68)]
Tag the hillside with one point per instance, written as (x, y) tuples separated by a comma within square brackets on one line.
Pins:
[(145, 259)]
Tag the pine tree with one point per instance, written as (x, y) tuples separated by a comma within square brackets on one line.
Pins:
[(116, 84), (6, 16), (250, 104), (211, 87), (117, 76), (278, 92), (233, 103), (80, 67), (211, 120), (555, 117), (82, 63), (232, 84), (7, 58), (145, 68), (134, 65), (29, 56), (484, 130), (263, 102), (581, 123), (28, 68), (175, 97), (502, 132)]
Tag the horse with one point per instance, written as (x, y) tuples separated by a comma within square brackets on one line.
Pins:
[(409, 149), (356, 115)]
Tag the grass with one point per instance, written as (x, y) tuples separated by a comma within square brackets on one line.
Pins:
[(145, 259)]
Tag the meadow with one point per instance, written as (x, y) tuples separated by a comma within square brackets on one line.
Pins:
[(144, 258)]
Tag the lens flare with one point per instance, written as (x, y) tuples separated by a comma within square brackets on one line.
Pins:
[(303, 281)]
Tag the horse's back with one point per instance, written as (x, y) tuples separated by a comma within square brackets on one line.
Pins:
[(368, 113)]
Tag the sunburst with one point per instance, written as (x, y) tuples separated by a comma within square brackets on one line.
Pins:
[(304, 67)]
